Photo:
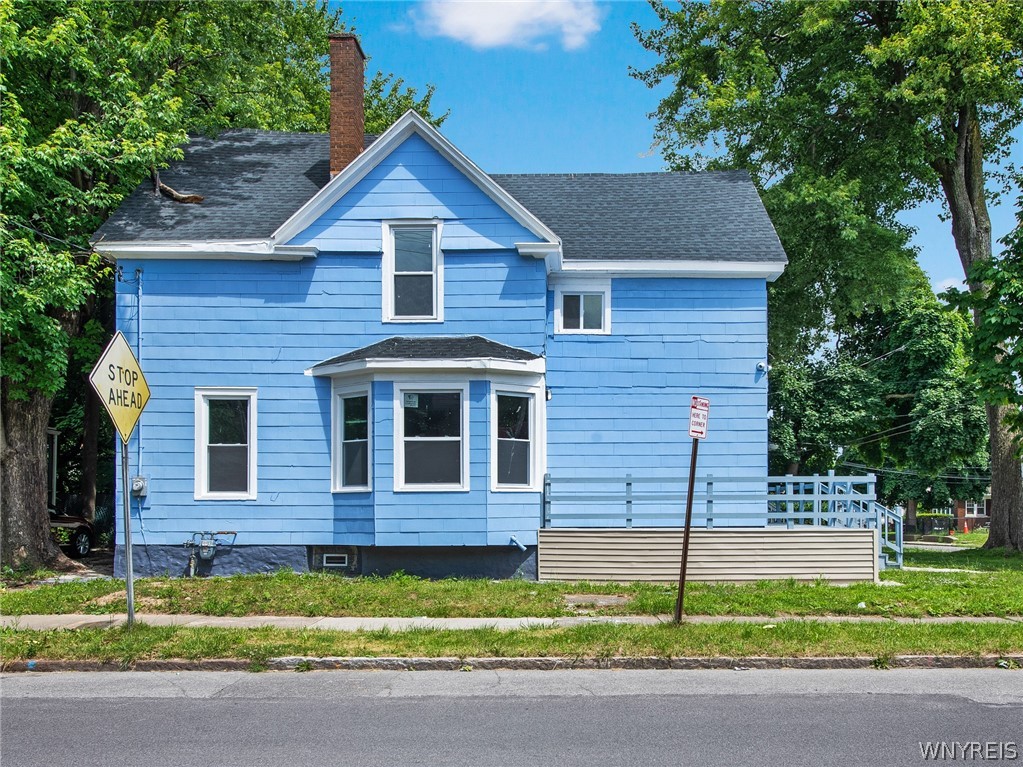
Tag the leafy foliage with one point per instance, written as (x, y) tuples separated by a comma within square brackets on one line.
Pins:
[(998, 335), (846, 113), (97, 95), (387, 99), (892, 395)]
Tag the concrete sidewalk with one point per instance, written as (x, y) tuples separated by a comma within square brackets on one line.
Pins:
[(50, 622)]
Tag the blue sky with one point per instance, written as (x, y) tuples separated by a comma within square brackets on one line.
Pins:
[(543, 86)]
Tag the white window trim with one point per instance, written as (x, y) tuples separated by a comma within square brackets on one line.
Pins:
[(336, 453), (399, 435), (537, 438), (202, 396), (979, 509), (387, 308), (582, 287)]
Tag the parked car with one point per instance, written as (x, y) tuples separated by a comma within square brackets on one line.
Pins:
[(76, 534)]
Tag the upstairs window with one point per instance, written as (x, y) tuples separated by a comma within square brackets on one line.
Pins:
[(413, 273), (583, 308), (225, 444)]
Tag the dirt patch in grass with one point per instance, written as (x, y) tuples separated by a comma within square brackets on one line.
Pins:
[(121, 598), (586, 604)]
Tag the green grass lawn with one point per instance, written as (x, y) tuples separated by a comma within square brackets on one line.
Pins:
[(785, 639), (998, 591), (973, 538)]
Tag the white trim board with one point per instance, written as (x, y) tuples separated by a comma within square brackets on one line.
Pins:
[(195, 250), (521, 367)]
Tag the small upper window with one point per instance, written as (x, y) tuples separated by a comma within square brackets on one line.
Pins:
[(225, 442), (583, 310), (413, 273)]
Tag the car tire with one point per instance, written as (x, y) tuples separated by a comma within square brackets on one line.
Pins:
[(81, 543)]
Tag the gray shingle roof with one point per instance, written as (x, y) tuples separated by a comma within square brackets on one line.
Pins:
[(714, 216), (253, 181), (433, 348)]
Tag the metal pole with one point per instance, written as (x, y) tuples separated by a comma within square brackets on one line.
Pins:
[(125, 493), (685, 534)]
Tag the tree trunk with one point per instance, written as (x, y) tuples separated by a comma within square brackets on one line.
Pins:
[(25, 542), (1007, 492), (962, 180), (90, 452), (911, 514)]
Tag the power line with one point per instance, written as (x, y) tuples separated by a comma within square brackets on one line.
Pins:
[(961, 477), (77, 248)]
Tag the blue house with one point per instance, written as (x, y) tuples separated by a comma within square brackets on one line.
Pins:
[(366, 352)]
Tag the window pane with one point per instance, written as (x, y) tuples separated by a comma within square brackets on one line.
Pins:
[(512, 417), (436, 414), (570, 311), (413, 250), (413, 295), (433, 462), (229, 421), (593, 312), (228, 468), (356, 464), (512, 462), (355, 425)]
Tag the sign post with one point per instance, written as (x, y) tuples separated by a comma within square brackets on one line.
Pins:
[(121, 387), (699, 411)]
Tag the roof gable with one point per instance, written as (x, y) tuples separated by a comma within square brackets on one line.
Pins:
[(407, 125), (413, 182)]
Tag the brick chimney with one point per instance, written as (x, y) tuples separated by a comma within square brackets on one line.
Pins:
[(347, 116)]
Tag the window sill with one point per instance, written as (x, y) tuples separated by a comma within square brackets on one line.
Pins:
[(431, 489), (412, 320), (582, 332), (351, 490), (224, 497)]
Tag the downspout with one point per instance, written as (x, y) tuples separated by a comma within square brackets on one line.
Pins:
[(138, 356)]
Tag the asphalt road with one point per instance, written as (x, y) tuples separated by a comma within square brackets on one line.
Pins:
[(591, 718)]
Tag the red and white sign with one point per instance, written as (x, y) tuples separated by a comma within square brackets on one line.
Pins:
[(699, 411)]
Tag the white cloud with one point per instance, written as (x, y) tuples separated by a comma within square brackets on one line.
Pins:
[(940, 286), (509, 23)]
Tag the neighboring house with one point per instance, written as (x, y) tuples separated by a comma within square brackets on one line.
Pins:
[(972, 514), (378, 353)]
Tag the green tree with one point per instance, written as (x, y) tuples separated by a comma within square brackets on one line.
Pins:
[(881, 105), (998, 336), (96, 96)]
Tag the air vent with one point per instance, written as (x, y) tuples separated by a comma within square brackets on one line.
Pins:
[(335, 561)]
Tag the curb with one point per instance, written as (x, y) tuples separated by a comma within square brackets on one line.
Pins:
[(626, 663)]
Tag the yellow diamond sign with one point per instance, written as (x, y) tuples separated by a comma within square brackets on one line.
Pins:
[(118, 380)]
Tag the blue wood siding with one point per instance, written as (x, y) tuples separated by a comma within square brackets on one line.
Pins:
[(262, 324), (620, 403), (414, 181)]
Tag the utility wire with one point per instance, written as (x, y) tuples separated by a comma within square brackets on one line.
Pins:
[(961, 477), (77, 248)]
